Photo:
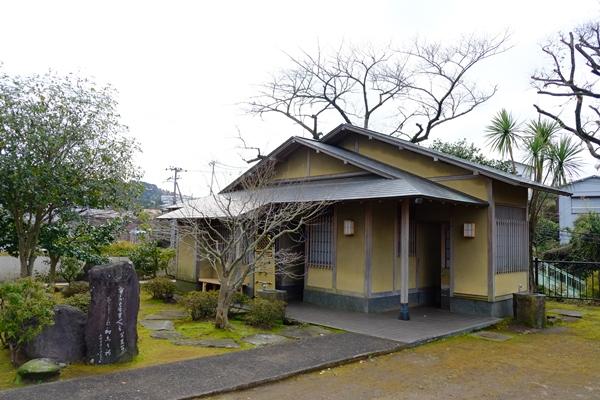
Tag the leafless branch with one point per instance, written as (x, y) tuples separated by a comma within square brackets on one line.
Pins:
[(425, 84), (573, 77)]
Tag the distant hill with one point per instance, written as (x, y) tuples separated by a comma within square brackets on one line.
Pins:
[(152, 196)]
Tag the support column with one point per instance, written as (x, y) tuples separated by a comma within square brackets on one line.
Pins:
[(404, 240)]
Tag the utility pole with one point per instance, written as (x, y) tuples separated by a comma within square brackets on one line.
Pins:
[(175, 171)]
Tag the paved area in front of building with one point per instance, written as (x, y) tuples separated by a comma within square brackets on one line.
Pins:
[(426, 323), (211, 375)]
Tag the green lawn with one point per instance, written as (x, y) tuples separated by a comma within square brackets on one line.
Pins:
[(151, 351)]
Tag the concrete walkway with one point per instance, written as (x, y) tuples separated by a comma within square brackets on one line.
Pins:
[(211, 375), (426, 323)]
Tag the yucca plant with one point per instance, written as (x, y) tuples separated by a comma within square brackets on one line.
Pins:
[(504, 135)]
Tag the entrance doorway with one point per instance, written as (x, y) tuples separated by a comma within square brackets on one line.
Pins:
[(433, 263)]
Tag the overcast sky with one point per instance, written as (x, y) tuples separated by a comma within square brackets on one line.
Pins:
[(183, 67)]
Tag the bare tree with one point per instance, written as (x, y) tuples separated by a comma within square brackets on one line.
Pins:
[(413, 90), (572, 80), (235, 232)]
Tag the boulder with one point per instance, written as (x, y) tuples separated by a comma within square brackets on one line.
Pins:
[(111, 331), (39, 369), (530, 309), (64, 341)]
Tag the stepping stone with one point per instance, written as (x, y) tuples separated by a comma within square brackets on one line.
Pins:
[(263, 339), (493, 336), (218, 343), (39, 369), (158, 325), (303, 332), (567, 313), (169, 335), (168, 315)]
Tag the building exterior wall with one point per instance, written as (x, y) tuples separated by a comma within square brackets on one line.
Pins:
[(509, 283), (384, 248), (350, 250), (585, 198), (305, 163), (186, 258), (470, 256), (509, 195), (406, 160)]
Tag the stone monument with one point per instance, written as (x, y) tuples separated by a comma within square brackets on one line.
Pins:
[(111, 330), (64, 341)]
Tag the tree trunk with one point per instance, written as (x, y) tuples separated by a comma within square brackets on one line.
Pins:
[(23, 260), (225, 296), (52, 272), (512, 159)]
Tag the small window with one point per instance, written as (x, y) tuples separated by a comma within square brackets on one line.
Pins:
[(319, 239)]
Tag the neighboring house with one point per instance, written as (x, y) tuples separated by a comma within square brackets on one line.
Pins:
[(585, 199), (427, 227)]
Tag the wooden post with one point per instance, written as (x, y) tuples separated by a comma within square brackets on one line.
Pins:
[(404, 249)]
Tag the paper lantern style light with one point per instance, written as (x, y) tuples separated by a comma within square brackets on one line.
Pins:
[(348, 227), (469, 230)]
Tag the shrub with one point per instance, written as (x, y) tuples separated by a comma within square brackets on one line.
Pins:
[(240, 298), (26, 308), (265, 313), (148, 258), (201, 305), (160, 288), (76, 287), (70, 269), (80, 300), (121, 248)]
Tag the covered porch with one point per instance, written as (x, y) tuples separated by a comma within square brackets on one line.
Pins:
[(427, 323)]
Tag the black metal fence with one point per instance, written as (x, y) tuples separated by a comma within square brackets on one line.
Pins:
[(567, 279)]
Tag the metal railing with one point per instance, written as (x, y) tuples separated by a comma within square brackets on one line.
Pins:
[(567, 279)]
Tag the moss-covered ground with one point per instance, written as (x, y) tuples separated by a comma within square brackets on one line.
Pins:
[(561, 362), (151, 351)]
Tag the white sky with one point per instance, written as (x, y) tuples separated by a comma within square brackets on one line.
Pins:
[(183, 67)]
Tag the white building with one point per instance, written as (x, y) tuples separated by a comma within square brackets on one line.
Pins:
[(585, 199)]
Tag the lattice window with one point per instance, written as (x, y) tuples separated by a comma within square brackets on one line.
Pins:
[(319, 239), (512, 242)]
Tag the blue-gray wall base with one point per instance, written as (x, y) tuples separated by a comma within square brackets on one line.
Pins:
[(344, 302), (500, 309), (366, 304)]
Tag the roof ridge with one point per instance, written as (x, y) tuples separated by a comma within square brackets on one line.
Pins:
[(483, 169)]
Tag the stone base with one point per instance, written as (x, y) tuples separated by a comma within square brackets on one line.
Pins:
[(499, 309), (367, 304), (530, 309)]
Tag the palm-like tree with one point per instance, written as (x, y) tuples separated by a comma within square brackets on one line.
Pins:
[(552, 162), (504, 135), (564, 161)]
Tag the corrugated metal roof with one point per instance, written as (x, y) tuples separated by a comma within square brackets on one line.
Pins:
[(483, 169), (356, 188)]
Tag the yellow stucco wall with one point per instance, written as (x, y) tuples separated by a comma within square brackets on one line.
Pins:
[(475, 186), (295, 165), (513, 282), (350, 252), (382, 261), (409, 161), (186, 258), (322, 164), (470, 261), (206, 270), (320, 278), (509, 194)]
